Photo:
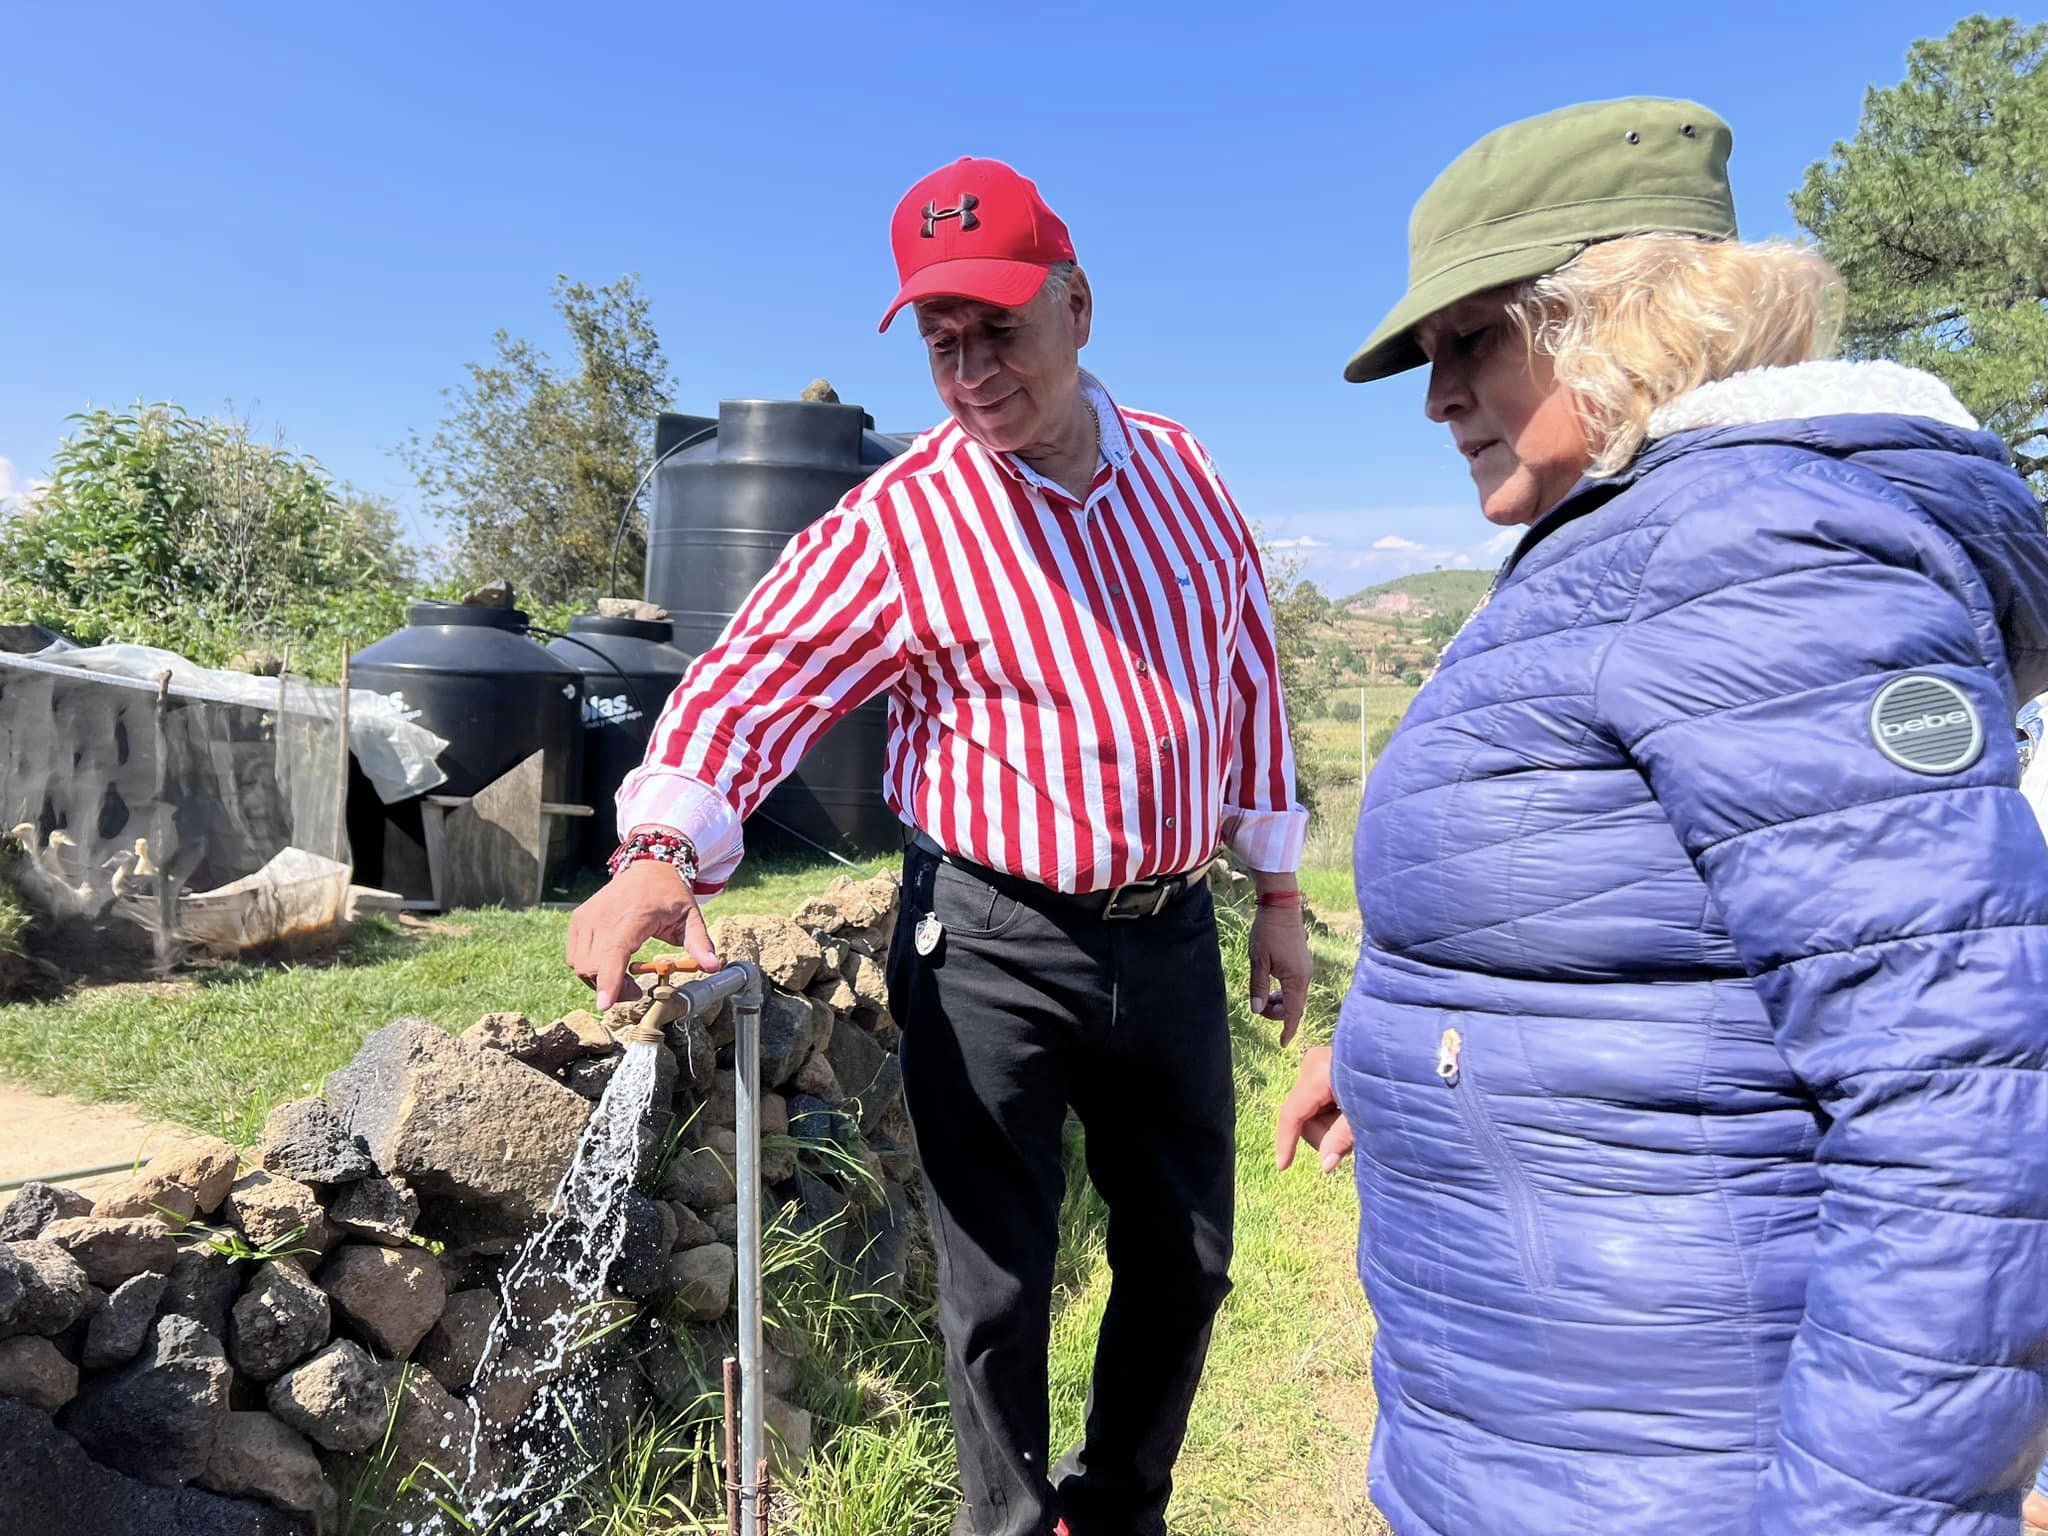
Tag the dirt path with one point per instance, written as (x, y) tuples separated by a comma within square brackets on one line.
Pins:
[(42, 1134)]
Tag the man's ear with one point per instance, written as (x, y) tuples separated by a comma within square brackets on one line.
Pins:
[(1080, 306)]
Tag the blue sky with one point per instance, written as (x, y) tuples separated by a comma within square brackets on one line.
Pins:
[(319, 214)]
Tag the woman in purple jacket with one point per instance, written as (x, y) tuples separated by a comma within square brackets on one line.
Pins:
[(1695, 1058)]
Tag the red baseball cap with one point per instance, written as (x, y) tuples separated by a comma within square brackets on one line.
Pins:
[(974, 230)]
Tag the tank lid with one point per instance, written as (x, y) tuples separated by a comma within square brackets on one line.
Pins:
[(433, 615), (660, 631)]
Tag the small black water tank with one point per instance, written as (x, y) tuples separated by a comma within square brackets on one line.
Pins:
[(724, 508), (470, 674), (629, 669)]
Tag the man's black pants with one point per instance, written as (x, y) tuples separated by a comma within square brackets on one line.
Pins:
[(1026, 1005)]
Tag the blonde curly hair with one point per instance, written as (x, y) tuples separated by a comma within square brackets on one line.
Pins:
[(1632, 323)]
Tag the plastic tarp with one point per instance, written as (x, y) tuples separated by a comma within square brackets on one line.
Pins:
[(163, 805), (399, 756)]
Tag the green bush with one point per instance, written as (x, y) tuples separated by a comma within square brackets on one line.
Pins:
[(163, 528)]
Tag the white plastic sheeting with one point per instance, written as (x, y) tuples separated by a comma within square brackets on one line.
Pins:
[(399, 756)]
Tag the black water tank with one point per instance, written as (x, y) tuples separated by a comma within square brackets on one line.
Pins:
[(724, 508), (470, 674), (629, 669)]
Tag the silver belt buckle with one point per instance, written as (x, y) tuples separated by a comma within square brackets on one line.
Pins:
[(1115, 908)]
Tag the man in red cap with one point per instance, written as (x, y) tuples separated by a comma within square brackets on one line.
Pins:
[(1067, 614)]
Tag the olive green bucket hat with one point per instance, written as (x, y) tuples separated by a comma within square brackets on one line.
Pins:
[(1529, 197)]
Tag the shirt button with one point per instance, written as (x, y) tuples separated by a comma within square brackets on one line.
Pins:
[(1169, 821), (1116, 591), (1144, 667)]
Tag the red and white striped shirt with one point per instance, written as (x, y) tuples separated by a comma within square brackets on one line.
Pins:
[(1083, 694)]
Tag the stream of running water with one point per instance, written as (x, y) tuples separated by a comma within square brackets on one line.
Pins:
[(518, 1470)]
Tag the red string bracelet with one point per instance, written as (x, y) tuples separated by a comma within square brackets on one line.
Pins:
[(1279, 898)]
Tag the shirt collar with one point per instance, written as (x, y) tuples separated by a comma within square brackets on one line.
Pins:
[(1114, 441)]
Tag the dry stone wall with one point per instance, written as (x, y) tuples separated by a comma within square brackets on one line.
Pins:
[(222, 1346)]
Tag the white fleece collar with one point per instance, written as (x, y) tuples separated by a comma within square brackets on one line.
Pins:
[(1806, 390)]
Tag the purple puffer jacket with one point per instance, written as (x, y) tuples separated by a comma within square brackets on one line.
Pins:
[(1696, 1051)]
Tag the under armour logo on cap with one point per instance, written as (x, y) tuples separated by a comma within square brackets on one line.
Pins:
[(1016, 239), (964, 213)]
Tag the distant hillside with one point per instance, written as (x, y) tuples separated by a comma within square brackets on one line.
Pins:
[(1455, 592), (1394, 632)]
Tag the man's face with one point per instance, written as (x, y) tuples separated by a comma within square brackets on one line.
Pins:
[(1009, 376)]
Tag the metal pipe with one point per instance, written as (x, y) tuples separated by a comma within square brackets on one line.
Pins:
[(732, 1446), (66, 1174), (747, 1127), (741, 980)]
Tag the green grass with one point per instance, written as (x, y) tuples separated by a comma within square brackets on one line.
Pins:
[(1278, 1438)]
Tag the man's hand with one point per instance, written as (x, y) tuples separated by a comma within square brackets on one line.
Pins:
[(1281, 967), (646, 900), (1310, 1113)]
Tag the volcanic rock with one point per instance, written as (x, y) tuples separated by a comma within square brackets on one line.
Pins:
[(119, 1327), (35, 1207), (590, 1078), (702, 1280), (33, 1370), (789, 1437), (454, 1346), (391, 1296), (433, 1428), (157, 1417), (282, 1318), (206, 1165), (277, 1213), (788, 956), (816, 1078), (335, 1399), (692, 1230), (42, 1289), (258, 1454), (150, 1194), (111, 1249), (650, 1228), (203, 1286), (791, 1027), (382, 1210), (700, 1178), (305, 1140), (49, 1484), (483, 1140)]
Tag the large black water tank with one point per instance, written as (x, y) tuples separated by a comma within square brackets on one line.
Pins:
[(629, 669), (468, 673), (724, 508)]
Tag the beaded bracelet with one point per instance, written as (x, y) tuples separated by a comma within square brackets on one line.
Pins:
[(670, 848)]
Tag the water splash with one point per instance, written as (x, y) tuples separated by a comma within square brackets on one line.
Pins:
[(553, 1303)]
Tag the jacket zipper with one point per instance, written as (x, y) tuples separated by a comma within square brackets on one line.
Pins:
[(1530, 1245)]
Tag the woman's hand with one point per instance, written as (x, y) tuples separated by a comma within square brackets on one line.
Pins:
[(1310, 1113)]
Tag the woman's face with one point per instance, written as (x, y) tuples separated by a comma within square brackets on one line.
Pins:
[(1508, 415)]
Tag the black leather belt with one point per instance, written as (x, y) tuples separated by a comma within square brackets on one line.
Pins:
[(1138, 899)]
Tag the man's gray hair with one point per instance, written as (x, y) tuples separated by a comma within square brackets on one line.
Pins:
[(1057, 276)]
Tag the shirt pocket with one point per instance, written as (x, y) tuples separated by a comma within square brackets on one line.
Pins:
[(1207, 599)]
